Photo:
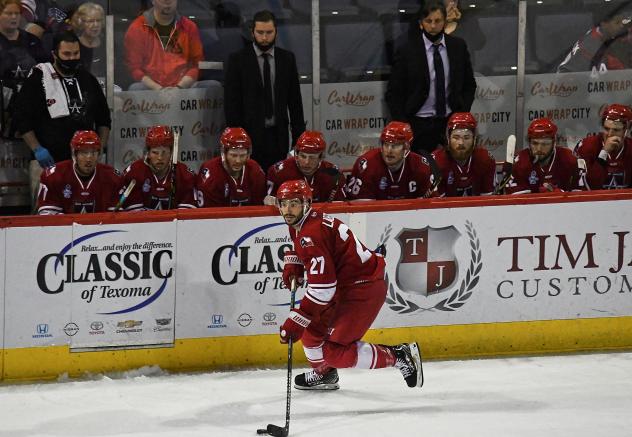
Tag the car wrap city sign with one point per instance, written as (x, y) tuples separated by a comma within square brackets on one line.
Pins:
[(121, 282), (197, 114)]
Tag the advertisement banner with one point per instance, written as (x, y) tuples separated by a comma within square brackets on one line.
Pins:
[(14, 172), (494, 108), (354, 114), (36, 304), (123, 284), (446, 268), (574, 101), (229, 282), (197, 114)]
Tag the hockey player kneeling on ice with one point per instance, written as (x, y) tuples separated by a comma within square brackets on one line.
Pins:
[(345, 293)]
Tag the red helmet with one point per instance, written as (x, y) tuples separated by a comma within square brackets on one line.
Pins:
[(617, 112), (397, 132), (235, 138), (462, 120), (294, 189), (542, 128), (311, 141), (159, 136), (85, 139)]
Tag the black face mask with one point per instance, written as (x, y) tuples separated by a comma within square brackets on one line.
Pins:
[(68, 67), (433, 38)]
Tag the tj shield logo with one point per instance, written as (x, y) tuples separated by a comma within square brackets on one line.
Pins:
[(427, 264)]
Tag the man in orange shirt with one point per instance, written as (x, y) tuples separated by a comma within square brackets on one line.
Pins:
[(163, 48)]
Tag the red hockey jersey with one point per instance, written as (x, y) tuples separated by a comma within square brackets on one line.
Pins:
[(613, 172), (327, 183), (150, 192), (217, 188), (333, 257), (561, 173), (62, 191), (477, 177), (372, 179)]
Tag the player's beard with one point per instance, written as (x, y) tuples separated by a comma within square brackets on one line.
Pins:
[(265, 47)]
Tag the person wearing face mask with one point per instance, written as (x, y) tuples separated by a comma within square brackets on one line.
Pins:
[(261, 88), (432, 77), (56, 100)]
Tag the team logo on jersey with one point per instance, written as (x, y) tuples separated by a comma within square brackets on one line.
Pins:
[(428, 269), (383, 184), (279, 166), (306, 242), (67, 191), (363, 164), (146, 186), (533, 178), (427, 264), (205, 174)]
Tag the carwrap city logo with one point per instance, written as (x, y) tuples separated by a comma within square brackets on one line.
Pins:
[(117, 274), (428, 269), (256, 256)]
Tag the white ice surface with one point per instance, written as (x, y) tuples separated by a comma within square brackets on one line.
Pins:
[(577, 395)]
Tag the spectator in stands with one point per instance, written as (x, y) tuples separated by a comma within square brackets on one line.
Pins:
[(87, 22), (543, 166), (232, 179), (19, 52), (47, 14), (608, 155), (324, 178), (432, 77), (81, 185), (466, 170), (163, 49), (56, 100), (156, 185), (261, 88), (607, 46), (392, 171)]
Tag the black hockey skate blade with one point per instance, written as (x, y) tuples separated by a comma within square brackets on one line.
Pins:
[(273, 430)]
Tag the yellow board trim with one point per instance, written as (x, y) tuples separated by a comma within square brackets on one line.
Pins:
[(437, 342)]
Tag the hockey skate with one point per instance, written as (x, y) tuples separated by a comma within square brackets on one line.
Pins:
[(408, 361), (313, 380)]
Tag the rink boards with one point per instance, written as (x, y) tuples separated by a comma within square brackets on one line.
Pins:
[(202, 289)]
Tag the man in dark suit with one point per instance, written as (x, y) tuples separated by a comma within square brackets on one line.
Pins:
[(432, 77), (261, 89)]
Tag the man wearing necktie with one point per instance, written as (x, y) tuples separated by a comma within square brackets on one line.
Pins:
[(262, 93), (432, 77)]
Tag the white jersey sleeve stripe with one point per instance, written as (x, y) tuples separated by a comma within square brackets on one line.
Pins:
[(321, 296)]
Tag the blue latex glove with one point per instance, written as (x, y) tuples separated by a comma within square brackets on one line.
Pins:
[(43, 156)]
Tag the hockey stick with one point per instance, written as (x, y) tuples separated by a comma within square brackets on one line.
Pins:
[(125, 195), (174, 167), (275, 430), (335, 174), (508, 166), (436, 173)]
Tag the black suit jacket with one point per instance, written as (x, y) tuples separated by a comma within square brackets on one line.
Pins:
[(409, 84), (243, 95)]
